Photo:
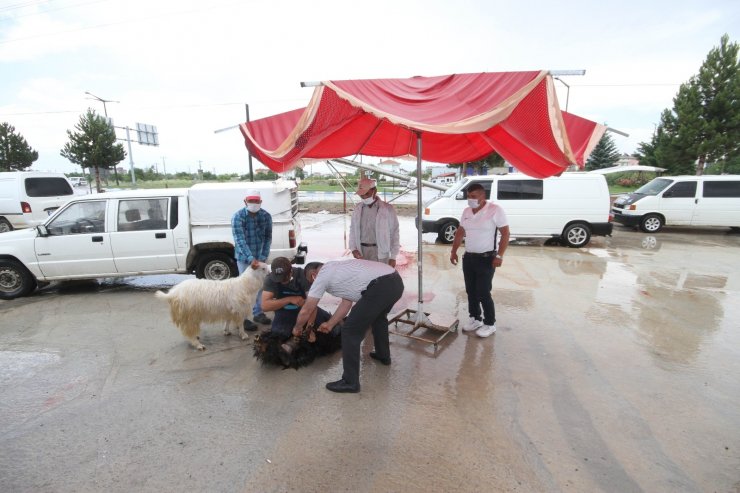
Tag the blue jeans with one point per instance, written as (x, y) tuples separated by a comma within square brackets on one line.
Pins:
[(242, 266)]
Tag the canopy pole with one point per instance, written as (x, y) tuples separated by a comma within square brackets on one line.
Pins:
[(421, 317)]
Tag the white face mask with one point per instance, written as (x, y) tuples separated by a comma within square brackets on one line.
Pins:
[(473, 203), (368, 200), (253, 207)]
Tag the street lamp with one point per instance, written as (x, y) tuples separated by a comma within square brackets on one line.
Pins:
[(105, 109)]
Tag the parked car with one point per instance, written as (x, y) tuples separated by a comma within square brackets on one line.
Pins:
[(708, 200), (139, 232), (571, 207), (77, 181), (27, 198)]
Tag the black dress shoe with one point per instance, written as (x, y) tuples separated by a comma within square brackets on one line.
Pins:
[(343, 387), (250, 326), (262, 319), (385, 361)]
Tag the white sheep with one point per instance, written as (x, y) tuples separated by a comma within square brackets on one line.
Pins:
[(198, 301)]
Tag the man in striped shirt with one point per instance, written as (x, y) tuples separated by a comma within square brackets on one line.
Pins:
[(252, 230), (373, 288)]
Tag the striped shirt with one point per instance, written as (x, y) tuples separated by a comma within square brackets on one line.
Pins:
[(252, 235), (347, 279)]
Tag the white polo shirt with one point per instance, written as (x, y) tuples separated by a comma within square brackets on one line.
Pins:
[(347, 279), (480, 228)]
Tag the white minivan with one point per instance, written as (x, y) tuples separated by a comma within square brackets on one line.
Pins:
[(27, 198), (709, 200), (571, 207)]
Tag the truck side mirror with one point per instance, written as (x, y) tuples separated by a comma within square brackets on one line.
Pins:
[(459, 195), (42, 230)]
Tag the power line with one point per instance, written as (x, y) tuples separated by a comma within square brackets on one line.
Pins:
[(51, 10), (636, 84), (23, 5), (161, 107)]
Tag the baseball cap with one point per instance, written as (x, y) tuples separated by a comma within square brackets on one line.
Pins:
[(281, 268), (365, 185), (253, 195)]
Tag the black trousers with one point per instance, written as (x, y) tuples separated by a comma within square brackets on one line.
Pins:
[(478, 273), (371, 310)]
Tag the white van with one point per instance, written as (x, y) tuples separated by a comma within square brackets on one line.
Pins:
[(573, 206), (28, 198), (710, 200)]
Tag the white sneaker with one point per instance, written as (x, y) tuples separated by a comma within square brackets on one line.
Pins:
[(472, 324), (486, 330)]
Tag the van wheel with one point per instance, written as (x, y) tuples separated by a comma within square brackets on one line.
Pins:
[(216, 267), (651, 223), (15, 280), (447, 232), (577, 235), (5, 225)]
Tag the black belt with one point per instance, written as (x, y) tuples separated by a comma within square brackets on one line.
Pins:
[(484, 254), (369, 244)]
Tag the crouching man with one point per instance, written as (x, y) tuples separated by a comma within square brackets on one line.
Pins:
[(373, 288), (284, 292)]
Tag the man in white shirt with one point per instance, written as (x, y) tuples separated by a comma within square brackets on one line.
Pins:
[(373, 288), (479, 225), (373, 231)]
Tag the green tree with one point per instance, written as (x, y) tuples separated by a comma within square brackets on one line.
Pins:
[(93, 145), (604, 155), (493, 160), (15, 153), (703, 127), (299, 173)]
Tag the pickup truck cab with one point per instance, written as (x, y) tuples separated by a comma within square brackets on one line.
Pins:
[(140, 232)]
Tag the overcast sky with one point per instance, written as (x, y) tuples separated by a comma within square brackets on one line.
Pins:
[(189, 66)]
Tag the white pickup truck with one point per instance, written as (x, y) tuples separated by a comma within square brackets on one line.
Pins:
[(139, 232)]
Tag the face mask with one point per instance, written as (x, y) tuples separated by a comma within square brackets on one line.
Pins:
[(253, 207), (473, 203), (368, 200)]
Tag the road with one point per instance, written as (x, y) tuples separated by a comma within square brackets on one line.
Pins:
[(614, 368)]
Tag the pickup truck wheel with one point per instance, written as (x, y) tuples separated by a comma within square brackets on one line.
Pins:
[(5, 225), (216, 267), (447, 232), (577, 235), (651, 223), (15, 280)]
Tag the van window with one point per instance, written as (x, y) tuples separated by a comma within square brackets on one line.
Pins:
[(519, 190), (721, 189), (654, 187), (682, 189), (142, 214), (47, 187)]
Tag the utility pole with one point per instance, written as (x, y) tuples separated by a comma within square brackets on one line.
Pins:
[(164, 167)]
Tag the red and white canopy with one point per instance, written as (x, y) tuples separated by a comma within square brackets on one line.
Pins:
[(460, 118)]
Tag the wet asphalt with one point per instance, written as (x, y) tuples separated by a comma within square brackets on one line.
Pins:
[(615, 368)]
